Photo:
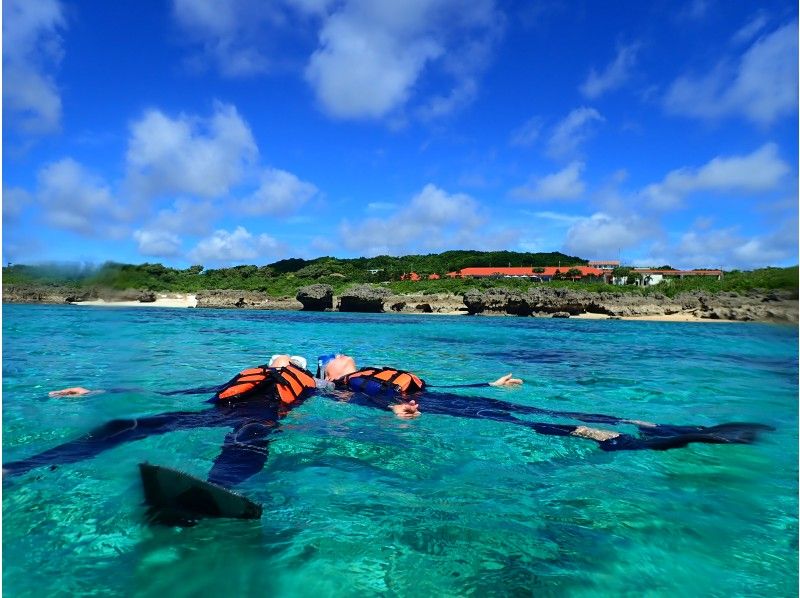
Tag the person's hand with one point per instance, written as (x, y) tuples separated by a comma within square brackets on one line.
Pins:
[(506, 380), (75, 391), (408, 410)]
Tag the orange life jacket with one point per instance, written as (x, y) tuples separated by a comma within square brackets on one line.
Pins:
[(372, 380), (288, 383)]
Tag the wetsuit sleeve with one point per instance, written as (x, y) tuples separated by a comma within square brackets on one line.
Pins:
[(474, 385), (200, 390)]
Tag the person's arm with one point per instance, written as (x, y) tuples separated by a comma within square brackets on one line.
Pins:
[(79, 391), (387, 400), (503, 381)]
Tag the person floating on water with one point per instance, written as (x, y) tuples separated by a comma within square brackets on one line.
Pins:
[(256, 399), (380, 387), (251, 404)]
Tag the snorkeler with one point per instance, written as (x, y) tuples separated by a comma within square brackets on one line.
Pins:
[(255, 400), (381, 387), (251, 404)]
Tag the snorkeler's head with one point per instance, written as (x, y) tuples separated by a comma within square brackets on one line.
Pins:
[(282, 360), (334, 366)]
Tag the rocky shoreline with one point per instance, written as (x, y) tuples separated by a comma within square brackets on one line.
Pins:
[(541, 301)]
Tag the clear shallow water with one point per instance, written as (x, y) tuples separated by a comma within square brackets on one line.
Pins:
[(358, 502)]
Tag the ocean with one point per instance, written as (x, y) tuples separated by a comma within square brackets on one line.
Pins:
[(358, 502)]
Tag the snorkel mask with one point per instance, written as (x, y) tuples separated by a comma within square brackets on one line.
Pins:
[(322, 363)]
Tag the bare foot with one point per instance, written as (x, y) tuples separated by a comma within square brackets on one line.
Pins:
[(593, 433), (75, 391)]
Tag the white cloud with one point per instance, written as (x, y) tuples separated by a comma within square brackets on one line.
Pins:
[(377, 206), (31, 46), (565, 184), (74, 199), (750, 29), (432, 220), (569, 134), (185, 216), (728, 249), (372, 54), (555, 218), (230, 32), (157, 243), (759, 171), (603, 234), (237, 246), (280, 193), (203, 157), (528, 133), (15, 200), (761, 87), (614, 75)]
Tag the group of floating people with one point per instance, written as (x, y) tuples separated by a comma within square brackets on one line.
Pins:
[(252, 403)]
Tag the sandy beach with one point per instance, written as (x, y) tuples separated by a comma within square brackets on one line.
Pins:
[(162, 300), (680, 317)]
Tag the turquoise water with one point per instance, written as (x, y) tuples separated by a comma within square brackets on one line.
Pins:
[(358, 502)]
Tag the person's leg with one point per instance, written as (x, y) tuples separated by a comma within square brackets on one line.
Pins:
[(469, 404), (112, 434), (243, 455)]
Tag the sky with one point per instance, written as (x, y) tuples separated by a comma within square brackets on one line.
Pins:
[(243, 132)]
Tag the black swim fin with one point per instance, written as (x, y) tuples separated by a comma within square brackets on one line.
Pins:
[(669, 437), (182, 498)]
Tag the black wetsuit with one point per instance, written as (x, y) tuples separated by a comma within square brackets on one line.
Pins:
[(246, 446), (650, 436)]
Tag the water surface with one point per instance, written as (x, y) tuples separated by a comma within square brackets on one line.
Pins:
[(358, 502)]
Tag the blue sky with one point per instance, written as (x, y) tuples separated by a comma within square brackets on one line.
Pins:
[(218, 133)]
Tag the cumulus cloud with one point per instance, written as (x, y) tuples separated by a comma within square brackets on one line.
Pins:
[(759, 171), (433, 219), (237, 246), (31, 48), (231, 33), (569, 134), (202, 157), (614, 75), (761, 85), (729, 249), (74, 199), (565, 184), (603, 234), (185, 217), (280, 193), (157, 243), (372, 54)]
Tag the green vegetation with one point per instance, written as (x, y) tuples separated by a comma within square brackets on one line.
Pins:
[(285, 277)]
